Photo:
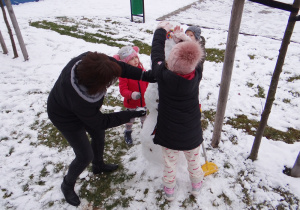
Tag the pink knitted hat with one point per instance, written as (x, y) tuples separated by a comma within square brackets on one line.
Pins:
[(184, 57), (126, 53)]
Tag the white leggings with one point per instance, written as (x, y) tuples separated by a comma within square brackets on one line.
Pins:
[(170, 161)]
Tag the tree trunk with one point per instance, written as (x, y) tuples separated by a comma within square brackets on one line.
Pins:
[(274, 82), (296, 168), (9, 31), (233, 33), (17, 29), (3, 43)]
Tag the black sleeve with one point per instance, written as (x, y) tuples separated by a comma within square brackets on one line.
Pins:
[(199, 69), (128, 71), (95, 119), (148, 76), (131, 72), (158, 47), (115, 119)]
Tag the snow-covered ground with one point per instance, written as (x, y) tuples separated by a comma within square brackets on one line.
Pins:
[(25, 86)]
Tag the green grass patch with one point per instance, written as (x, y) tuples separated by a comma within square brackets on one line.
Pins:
[(144, 48), (11, 150), (105, 190), (291, 79), (149, 31), (4, 139), (44, 172), (58, 167), (190, 203), (250, 126), (76, 30), (295, 93), (225, 198), (246, 198), (7, 194), (249, 84), (208, 117), (251, 57), (290, 198), (286, 100), (215, 55), (25, 187), (112, 101), (260, 93), (49, 136), (73, 31)]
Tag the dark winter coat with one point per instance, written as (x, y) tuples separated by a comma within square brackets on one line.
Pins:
[(127, 86), (179, 118), (70, 110)]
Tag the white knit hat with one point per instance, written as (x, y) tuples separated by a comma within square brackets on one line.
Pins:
[(126, 53)]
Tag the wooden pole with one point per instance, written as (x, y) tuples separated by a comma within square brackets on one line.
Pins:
[(143, 11), (9, 31), (274, 82), (3, 44), (296, 168), (17, 29), (234, 27)]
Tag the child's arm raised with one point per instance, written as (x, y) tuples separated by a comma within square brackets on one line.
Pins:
[(158, 43)]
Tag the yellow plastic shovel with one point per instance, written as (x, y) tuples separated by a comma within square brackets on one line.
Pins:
[(208, 167)]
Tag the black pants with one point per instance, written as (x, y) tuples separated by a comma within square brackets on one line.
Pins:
[(85, 151)]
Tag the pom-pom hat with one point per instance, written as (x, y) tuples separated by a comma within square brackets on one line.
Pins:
[(126, 53), (184, 57)]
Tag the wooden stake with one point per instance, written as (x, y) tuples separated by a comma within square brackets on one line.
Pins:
[(17, 29), (233, 33), (9, 31), (3, 44), (274, 82), (296, 168)]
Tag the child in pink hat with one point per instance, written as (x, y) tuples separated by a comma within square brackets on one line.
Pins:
[(132, 90), (178, 127)]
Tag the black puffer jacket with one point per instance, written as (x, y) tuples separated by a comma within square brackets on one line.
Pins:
[(70, 110), (178, 121)]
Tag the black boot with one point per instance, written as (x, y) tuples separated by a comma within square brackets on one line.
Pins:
[(104, 168), (69, 193), (127, 137)]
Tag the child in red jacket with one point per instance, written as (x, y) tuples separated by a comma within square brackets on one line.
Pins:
[(132, 90)]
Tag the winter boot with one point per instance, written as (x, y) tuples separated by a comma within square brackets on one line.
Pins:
[(69, 193), (196, 188), (169, 193), (127, 137), (104, 168)]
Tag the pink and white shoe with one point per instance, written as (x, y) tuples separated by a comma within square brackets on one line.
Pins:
[(196, 188), (169, 193)]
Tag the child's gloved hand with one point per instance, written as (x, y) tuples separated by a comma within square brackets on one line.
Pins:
[(165, 25), (135, 95)]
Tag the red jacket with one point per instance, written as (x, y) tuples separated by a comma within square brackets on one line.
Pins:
[(127, 86)]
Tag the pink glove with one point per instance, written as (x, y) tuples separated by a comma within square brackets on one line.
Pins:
[(135, 95), (165, 25)]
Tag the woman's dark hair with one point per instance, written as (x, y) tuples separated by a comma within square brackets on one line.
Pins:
[(97, 72)]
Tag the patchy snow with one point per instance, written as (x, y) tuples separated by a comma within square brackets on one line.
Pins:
[(25, 86)]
